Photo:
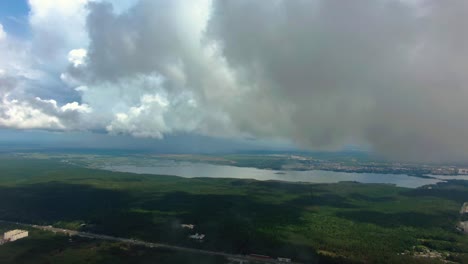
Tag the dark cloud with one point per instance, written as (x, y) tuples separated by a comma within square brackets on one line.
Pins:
[(321, 73)]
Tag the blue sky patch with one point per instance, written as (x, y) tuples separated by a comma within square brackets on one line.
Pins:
[(14, 17)]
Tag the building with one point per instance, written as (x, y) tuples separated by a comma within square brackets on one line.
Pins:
[(463, 171), (237, 261), (464, 208), (15, 235), (197, 236), (463, 227), (188, 226)]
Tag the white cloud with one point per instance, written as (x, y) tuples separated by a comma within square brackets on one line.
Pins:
[(2, 33), (41, 114), (82, 88), (22, 115), (75, 106), (77, 57), (145, 120), (43, 9), (58, 26)]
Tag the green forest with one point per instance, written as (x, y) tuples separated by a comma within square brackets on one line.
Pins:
[(311, 223)]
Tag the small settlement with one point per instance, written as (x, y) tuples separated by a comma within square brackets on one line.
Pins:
[(13, 235), (463, 225), (197, 237)]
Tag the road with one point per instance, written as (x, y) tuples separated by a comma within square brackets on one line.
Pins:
[(147, 244)]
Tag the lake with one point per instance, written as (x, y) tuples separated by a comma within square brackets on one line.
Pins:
[(192, 170)]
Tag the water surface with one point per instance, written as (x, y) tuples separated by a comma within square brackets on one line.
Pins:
[(449, 177), (191, 170)]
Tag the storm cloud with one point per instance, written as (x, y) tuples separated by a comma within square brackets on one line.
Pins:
[(390, 74)]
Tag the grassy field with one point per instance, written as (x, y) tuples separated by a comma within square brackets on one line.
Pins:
[(345, 222)]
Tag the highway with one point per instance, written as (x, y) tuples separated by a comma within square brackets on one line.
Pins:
[(136, 242)]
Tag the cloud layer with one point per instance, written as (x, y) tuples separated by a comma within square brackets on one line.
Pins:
[(323, 73)]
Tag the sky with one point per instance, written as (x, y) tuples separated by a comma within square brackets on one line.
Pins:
[(14, 17), (389, 75)]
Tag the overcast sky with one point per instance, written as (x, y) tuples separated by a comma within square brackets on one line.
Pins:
[(321, 74)]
